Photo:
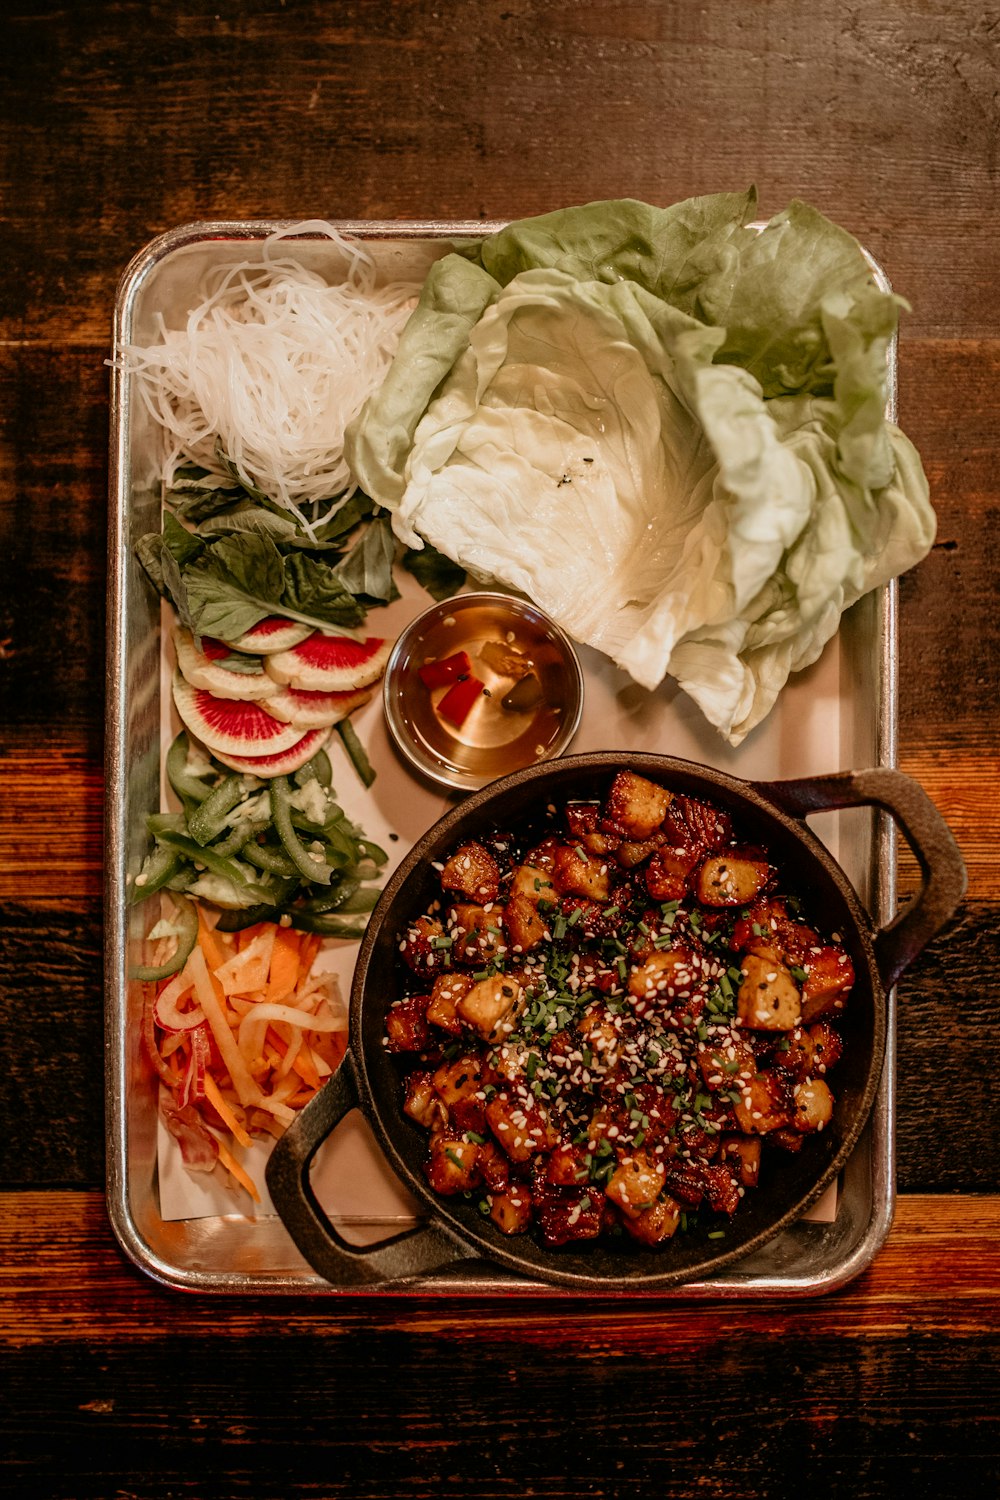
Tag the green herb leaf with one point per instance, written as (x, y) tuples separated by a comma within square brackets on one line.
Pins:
[(433, 571), (366, 571)]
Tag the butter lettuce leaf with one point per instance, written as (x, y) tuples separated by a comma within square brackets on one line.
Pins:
[(665, 427)]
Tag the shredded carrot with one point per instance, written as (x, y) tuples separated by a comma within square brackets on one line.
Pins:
[(285, 962), (216, 954), (305, 1067), (223, 1111), (246, 935), (233, 1167), (309, 947), (274, 1027)]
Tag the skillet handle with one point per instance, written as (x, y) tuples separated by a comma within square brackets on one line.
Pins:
[(413, 1253), (926, 832)]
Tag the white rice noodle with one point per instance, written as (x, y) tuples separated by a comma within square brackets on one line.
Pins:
[(273, 363)]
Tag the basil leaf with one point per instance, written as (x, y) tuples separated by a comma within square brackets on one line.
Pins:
[(182, 544), (164, 572), (239, 661), (313, 591), (433, 571), (367, 568), (345, 519), (255, 519), (239, 580)]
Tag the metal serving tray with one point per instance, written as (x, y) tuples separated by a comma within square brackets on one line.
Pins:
[(848, 703)]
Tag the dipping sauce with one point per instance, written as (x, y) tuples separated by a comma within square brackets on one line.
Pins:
[(517, 700)]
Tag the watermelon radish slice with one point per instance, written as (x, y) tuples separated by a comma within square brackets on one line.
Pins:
[(275, 633), (203, 669), (330, 663), (313, 710), (229, 725), (281, 764)]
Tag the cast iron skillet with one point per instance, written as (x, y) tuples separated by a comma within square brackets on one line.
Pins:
[(770, 813)]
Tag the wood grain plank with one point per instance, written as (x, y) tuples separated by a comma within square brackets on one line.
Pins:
[(895, 1375), (51, 825), (942, 1258), (885, 115)]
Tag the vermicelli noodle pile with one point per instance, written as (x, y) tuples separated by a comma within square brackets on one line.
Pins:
[(271, 365)]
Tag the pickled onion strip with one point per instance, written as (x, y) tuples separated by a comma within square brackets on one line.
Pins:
[(192, 1089), (166, 1006), (246, 1089), (251, 1061)]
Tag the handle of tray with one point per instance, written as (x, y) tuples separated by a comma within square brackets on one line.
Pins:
[(926, 832), (413, 1253)]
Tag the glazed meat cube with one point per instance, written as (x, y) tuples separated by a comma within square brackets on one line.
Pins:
[(423, 946), (765, 1105), (452, 1164), (567, 1214), (406, 1024), (476, 932), (422, 1102), (769, 930), (655, 1224), (644, 1108), (534, 883), (721, 1189), (731, 879), (460, 1079), (828, 982), (742, 1155), (794, 1053), (668, 972), (727, 1064), (671, 867), (786, 1138), (670, 870), (813, 1106), (636, 1183), (492, 1006), (768, 997), (567, 1166), (511, 1210), (827, 1046), (494, 1167), (525, 926), (521, 1130), (684, 1181), (540, 856), (710, 825), (634, 806), (577, 873), (441, 1008), (472, 872), (582, 817), (601, 844), (600, 1033)]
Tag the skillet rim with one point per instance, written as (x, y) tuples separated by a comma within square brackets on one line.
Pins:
[(635, 1267)]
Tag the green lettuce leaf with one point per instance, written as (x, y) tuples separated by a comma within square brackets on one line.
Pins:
[(665, 427)]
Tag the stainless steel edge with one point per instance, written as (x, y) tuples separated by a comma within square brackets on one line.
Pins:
[(293, 1276)]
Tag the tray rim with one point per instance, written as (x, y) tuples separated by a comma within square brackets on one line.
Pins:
[(879, 1136)]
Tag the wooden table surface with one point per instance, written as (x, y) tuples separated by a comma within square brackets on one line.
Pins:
[(121, 120)]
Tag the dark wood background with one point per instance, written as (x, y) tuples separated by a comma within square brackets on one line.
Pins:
[(121, 120)]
